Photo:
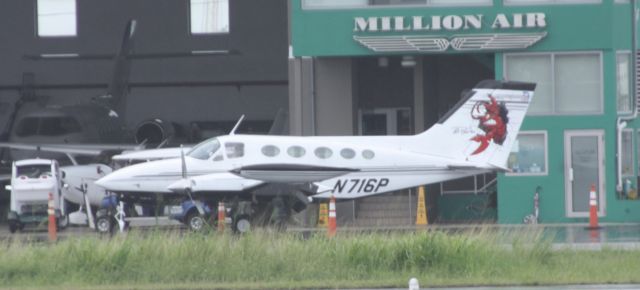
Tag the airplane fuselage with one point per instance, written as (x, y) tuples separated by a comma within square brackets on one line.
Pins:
[(347, 167)]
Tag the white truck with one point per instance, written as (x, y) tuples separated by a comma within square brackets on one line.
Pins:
[(32, 181)]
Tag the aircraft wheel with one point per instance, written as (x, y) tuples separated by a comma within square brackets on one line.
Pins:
[(242, 224), (104, 225), (63, 222), (195, 221), (13, 227)]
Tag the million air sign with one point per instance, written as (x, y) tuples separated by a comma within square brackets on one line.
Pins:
[(465, 32)]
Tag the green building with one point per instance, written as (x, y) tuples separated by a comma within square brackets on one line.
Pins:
[(395, 66)]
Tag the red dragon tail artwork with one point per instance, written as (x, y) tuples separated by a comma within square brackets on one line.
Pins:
[(493, 119)]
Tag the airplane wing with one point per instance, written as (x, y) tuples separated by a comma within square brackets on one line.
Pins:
[(78, 149), (150, 154), (290, 173)]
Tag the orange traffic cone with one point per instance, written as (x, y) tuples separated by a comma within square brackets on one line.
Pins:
[(221, 216), (331, 230), (593, 209), (53, 231)]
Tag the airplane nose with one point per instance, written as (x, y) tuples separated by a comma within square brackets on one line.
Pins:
[(107, 181), (117, 179), (152, 176)]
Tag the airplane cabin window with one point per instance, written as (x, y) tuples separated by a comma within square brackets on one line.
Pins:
[(205, 150), (347, 153), (48, 126), (56, 126), (368, 154), (270, 150), (234, 149), (69, 124), (296, 151), (323, 152), (27, 127)]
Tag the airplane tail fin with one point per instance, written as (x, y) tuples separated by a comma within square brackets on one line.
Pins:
[(118, 85), (482, 127), (280, 125)]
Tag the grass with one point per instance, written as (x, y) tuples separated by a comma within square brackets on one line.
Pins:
[(169, 260)]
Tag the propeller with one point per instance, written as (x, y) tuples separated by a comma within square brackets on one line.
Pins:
[(188, 183)]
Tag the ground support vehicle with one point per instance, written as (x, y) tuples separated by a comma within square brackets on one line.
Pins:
[(33, 183)]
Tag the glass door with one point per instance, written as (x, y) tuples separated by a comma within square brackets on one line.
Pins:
[(385, 121), (584, 162)]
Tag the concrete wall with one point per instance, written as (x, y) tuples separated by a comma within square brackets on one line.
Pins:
[(334, 97), (321, 96)]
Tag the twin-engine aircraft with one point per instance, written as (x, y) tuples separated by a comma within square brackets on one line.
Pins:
[(474, 137)]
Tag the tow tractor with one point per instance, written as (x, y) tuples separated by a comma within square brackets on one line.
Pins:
[(118, 212), (115, 211), (32, 181)]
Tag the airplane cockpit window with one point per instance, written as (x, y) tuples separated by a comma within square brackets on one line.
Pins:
[(234, 149), (205, 150), (347, 153), (296, 151), (323, 152), (270, 150), (368, 154), (33, 171)]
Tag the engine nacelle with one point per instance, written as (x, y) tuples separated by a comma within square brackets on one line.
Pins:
[(155, 131)]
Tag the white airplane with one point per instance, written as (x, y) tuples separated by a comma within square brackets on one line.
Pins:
[(474, 137)]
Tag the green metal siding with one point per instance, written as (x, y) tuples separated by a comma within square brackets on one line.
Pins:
[(570, 27), (603, 28)]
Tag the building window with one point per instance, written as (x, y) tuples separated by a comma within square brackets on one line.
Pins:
[(56, 18), (627, 152), (323, 152), (531, 2), (529, 154), (234, 149), (209, 16), (341, 4), (623, 76), (567, 83)]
